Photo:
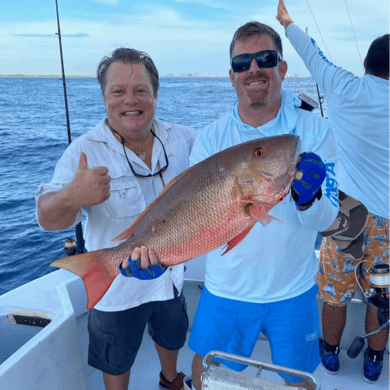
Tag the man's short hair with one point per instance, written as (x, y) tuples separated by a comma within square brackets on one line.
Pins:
[(255, 28), (377, 59), (128, 56)]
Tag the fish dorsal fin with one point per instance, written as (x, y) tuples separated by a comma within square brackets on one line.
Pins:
[(128, 233), (173, 181)]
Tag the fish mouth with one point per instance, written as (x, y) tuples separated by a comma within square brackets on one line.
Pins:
[(297, 151), (294, 161), (295, 157), (291, 169), (284, 183)]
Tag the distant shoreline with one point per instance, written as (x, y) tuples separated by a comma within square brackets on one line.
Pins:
[(189, 76), (89, 77), (15, 76)]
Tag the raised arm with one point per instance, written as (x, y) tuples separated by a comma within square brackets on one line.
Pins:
[(283, 17), (327, 75)]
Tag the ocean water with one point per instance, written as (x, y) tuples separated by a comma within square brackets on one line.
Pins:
[(33, 135)]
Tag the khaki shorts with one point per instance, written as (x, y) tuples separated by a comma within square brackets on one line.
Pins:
[(336, 275)]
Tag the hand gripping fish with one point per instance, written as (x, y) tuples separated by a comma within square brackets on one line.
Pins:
[(213, 203)]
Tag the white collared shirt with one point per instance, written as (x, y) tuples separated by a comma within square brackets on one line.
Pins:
[(129, 197)]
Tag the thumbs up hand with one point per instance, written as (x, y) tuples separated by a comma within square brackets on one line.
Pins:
[(89, 186)]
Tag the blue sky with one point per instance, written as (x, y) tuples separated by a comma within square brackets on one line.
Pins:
[(182, 36)]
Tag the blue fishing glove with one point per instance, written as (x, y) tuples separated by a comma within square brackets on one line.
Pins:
[(306, 190), (134, 270)]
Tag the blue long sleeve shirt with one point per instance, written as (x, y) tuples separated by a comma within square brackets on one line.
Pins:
[(275, 262), (358, 111)]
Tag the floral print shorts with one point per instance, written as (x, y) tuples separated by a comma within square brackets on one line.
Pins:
[(336, 276)]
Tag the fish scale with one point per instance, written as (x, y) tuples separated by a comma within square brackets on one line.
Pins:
[(216, 202), (200, 232)]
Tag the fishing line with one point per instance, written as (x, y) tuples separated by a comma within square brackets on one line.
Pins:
[(320, 98), (318, 28), (353, 30)]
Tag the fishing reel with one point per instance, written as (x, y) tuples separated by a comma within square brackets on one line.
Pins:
[(376, 296), (75, 245), (70, 247), (307, 102)]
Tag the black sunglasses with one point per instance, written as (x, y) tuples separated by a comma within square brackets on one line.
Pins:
[(163, 169), (264, 59)]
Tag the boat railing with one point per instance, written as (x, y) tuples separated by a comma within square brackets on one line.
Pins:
[(221, 378)]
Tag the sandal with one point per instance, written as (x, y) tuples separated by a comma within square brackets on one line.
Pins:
[(177, 384)]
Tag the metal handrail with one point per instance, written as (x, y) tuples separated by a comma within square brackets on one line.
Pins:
[(305, 376)]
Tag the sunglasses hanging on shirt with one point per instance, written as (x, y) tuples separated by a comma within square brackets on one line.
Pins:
[(159, 172)]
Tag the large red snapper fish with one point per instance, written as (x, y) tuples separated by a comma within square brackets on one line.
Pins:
[(213, 203)]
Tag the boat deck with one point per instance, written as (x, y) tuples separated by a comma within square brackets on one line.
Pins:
[(146, 369), (55, 357)]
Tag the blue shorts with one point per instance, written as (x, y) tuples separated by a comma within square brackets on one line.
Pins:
[(291, 326), (115, 337)]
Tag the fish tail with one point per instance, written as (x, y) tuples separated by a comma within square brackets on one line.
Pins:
[(97, 273)]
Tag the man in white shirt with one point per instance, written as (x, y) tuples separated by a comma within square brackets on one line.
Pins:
[(112, 173)]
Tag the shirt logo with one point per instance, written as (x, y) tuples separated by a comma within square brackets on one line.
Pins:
[(321, 54), (311, 336), (331, 191)]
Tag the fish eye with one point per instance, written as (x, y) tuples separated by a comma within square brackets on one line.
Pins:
[(258, 152)]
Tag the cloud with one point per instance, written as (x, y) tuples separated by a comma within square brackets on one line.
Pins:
[(209, 3), (77, 35), (185, 39), (108, 2), (161, 16)]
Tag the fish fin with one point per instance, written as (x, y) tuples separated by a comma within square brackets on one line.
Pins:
[(92, 268), (266, 219), (236, 240), (128, 233), (258, 212), (176, 179), (125, 235)]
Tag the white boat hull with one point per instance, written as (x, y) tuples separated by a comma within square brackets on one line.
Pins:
[(55, 357)]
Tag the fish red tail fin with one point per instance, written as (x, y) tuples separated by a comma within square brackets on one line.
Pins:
[(97, 273)]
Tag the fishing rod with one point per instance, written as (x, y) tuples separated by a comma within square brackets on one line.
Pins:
[(79, 230)]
